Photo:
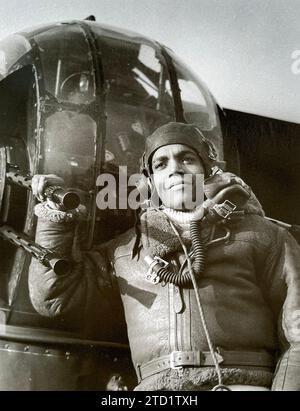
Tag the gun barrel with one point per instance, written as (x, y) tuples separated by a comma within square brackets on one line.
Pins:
[(67, 198), (60, 266)]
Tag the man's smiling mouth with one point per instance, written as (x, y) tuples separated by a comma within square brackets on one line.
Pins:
[(178, 184)]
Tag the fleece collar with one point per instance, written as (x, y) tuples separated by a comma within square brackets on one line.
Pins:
[(157, 235), (159, 239)]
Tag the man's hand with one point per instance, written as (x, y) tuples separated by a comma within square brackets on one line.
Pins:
[(40, 181), (216, 183)]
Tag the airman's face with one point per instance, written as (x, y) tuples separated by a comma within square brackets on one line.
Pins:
[(176, 170)]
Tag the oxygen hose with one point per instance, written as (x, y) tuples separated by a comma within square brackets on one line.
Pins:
[(198, 248), (183, 279), (162, 274), (218, 206)]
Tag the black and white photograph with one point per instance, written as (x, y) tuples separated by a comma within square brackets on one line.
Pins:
[(150, 197)]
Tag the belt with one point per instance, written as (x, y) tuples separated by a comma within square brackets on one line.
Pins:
[(179, 359)]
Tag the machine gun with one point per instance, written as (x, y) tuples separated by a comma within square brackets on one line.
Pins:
[(59, 265), (9, 174), (66, 198)]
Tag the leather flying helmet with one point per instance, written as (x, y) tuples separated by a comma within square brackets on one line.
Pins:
[(179, 133)]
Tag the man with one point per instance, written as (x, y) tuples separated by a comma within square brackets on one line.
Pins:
[(191, 326)]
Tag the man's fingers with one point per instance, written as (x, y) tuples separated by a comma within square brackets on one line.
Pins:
[(34, 184), (54, 180), (41, 187), (39, 182), (239, 181), (37, 185), (234, 179)]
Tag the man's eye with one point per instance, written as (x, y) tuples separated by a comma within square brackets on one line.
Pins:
[(158, 166), (188, 159)]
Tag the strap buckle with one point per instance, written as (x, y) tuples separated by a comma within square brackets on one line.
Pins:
[(173, 366), (225, 209), (151, 275), (219, 356), (175, 357), (163, 262)]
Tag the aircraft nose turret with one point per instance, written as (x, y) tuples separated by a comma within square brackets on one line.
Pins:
[(79, 98)]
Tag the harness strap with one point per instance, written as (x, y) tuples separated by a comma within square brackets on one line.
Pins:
[(179, 359)]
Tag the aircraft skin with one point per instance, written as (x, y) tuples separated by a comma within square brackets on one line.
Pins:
[(78, 99), (265, 152)]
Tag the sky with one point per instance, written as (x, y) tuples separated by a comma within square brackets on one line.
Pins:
[(247, 52)]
